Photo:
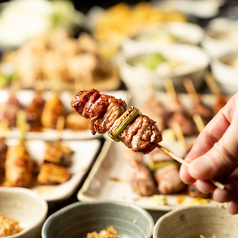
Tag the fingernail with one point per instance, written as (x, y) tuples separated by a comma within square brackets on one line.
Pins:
[(200, 168)]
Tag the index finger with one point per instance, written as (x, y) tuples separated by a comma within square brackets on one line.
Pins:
[(213, 130)]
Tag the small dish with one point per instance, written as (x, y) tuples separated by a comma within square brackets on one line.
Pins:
[(165, 33), (26, 207), (80, 218), (225, 72), (186, 222), (180, 61)]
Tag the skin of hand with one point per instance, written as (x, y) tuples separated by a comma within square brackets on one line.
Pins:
[(214, 155)]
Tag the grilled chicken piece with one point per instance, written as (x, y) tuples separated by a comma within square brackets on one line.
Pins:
[(140, 178), (58, 154), (18, 166), (52, 174), (141, 135), (154, 109), (168, 179), (9, 110), (186, 124), (201, 109), (74, 122), (53, 109), (34, 111), (3, 153), (195, 193)]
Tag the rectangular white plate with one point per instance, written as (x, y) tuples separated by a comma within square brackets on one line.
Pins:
[(26, 96), (108, 180), (84, 153)]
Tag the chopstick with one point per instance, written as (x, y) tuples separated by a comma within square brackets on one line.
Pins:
[(183, 162)]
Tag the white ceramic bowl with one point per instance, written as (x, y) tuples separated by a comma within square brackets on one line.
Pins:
[(220, 37), (193, 221), (80, 218), (165, 33), (226, 75), (193, 64), (26, 207)]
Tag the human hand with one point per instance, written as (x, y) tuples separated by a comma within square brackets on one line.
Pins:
[(214, 155)]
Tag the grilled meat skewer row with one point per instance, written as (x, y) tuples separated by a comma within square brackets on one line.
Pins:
[(108, 114)]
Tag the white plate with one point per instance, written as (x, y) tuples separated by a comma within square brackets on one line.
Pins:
[(108, 180), (26, 96), (82, 159)]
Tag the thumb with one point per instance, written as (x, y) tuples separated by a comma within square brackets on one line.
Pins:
[(222, 158)]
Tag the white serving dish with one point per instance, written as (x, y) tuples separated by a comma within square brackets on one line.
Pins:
[(193, 63), (26, 207), (220, 36), (165, 33), (226, 75), (84, 153)]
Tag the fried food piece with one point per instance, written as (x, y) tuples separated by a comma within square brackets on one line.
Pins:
[(34, 111), (3, 153), (74, 122), (58, 154), (18, 166), (110, 232), (53, 109), (52, 174), (8, 226)]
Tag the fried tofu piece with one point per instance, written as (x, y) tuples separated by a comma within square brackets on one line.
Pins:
[(52, 174)]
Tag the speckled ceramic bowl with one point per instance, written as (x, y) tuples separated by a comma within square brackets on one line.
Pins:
[(26, 207), (80, 218), (193, 221)]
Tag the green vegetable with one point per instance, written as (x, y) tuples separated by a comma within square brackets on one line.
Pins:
[(121, 123), (150, 61)]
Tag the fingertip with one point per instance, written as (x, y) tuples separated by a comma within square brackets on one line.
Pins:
[(185, 176), (232, 207)]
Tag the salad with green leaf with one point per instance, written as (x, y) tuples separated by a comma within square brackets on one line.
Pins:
[(150, 61)]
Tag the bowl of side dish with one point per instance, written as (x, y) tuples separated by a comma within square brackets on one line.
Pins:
[(153, 64), (22, 213), (85, 219), (225, 72), (165, 33), (220, 36), (205, 220)]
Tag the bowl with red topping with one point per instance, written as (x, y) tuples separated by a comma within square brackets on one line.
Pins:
[(108, 218)]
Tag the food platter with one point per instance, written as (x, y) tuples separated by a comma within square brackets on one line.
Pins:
[(26, 96), (84, 153), (108, 180)]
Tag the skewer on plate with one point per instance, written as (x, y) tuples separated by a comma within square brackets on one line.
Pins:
[(127, 125), (214, 88)]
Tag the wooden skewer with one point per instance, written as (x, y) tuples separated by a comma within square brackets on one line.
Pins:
[(212, 84), (188, 84), (60, 126), (183, 162), (170, 88), (199, 122), (179, 134)]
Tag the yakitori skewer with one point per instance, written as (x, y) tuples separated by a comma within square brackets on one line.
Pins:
[(198, 106), (214, 88), (110, 115)]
